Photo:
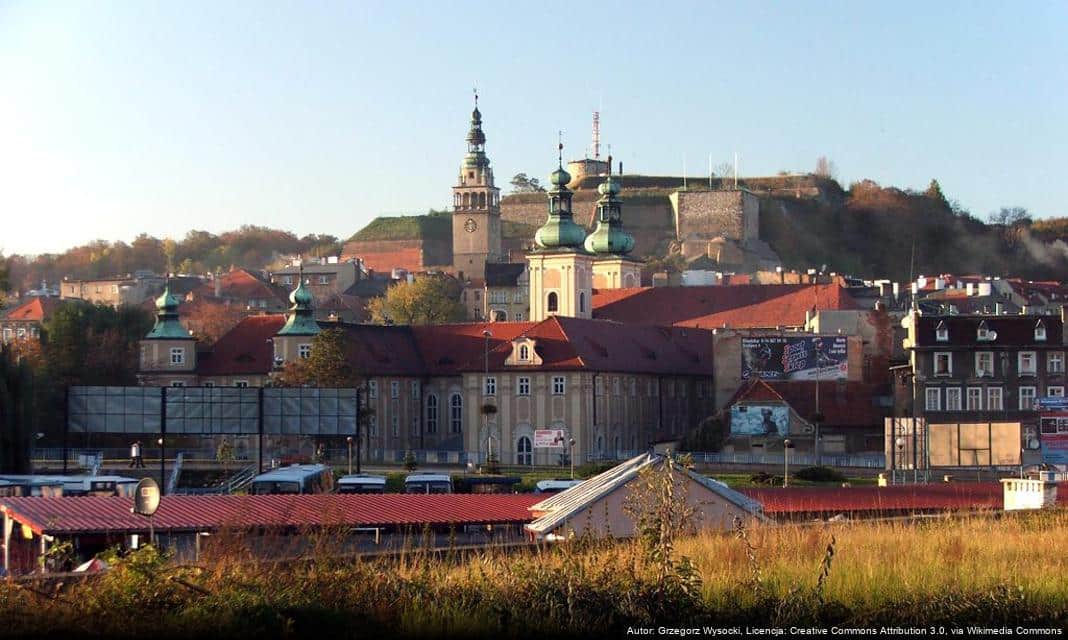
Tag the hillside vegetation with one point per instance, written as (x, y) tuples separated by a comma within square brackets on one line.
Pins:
[(876, 231)]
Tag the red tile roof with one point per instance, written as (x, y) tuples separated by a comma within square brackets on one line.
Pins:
[(199, 513), (569, 344), (244, 349), (894, 500), (739, 306), (242, 285), (37, 309)]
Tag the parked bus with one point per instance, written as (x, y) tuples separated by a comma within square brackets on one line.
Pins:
[(362, 483), (297, 478), (54, 486), (428, 483), (555, 486)]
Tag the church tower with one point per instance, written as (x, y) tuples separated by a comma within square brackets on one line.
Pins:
[(560, 268), (476, 206), (612, 267)]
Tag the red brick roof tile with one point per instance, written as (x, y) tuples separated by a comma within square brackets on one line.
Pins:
[(36, 309), (244, 349)]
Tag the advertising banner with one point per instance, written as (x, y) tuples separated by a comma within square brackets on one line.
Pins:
[(760, 420), (1053, 437), (795, 358), (549, 439)]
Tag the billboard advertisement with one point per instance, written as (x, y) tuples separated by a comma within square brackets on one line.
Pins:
[(760, 420), (549, 439), (795, 358), (1053, 437)]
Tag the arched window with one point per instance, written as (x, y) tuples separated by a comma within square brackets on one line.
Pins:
[(600, 445), (552, 302), (582, 302), (615, 445), (481, 200), (431, 414), (456, 413), (524, 352), (467, 200), (524, 452)]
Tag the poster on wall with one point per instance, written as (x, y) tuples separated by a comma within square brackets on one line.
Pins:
[(760, 420), (795, 358), (549, 439)]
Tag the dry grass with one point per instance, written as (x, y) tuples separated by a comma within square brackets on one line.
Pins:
[(966, 571)]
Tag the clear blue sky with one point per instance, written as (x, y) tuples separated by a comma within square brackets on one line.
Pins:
[(123, 117)]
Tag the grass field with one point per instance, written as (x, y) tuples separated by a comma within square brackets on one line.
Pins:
[(952, 572)]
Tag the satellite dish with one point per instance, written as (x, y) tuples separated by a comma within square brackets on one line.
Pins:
[(146, 497)]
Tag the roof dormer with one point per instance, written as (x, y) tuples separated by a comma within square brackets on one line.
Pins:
[(1040, 331), (524, 353), (984, 333), (942, 332)]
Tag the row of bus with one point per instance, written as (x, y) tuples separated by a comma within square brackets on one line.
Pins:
[(317, 478)]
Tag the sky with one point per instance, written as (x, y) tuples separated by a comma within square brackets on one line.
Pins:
[(118, 118)]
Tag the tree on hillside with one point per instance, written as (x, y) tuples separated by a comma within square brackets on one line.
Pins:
[(934, 192), (426, 300), (521, 183), (825, 168), (1010, 217)]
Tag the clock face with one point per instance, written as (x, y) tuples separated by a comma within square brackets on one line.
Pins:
[(470, 225)]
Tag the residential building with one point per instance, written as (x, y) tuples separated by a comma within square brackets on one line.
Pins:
[(324, 277), (116, 291), (25, 321), (244, 288), (507, 295)]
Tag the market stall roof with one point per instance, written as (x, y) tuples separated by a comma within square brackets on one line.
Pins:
[(84, 515)]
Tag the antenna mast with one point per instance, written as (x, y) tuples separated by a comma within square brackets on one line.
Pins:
[(596, 135)]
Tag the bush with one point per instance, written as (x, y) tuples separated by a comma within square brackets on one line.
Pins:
[(819, 474)]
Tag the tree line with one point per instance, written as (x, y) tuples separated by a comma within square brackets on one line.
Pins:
[(198, 252)]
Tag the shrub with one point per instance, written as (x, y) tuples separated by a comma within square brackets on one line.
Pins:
[(819, 474)]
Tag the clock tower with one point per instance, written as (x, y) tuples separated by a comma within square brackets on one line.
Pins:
[(476, 207)]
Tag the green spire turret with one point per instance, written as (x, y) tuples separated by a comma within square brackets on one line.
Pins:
[(301, 320), (609, 236), (167, 326), (476, 141), (560, 231)]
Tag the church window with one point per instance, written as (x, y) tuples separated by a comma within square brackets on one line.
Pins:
[(582, 302), (552, 302)]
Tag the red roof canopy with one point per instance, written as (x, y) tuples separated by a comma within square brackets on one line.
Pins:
[(202, 513)]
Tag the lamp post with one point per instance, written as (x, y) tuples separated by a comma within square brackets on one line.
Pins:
[(162, 467), (348, 441), (571, 456), (786, 462), (899, 446)]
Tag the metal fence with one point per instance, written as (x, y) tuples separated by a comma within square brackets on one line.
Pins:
[(873, 461)]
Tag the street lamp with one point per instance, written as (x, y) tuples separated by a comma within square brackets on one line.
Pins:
[(571, 456), (786, 444), (162, 467), (348, 441), (899, 444)]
